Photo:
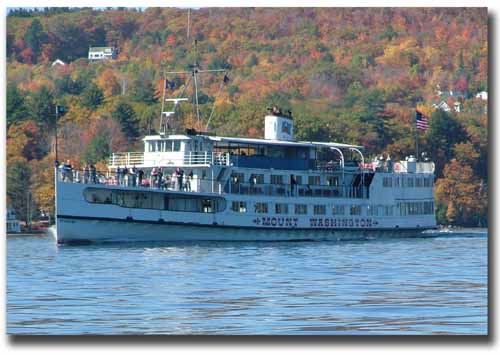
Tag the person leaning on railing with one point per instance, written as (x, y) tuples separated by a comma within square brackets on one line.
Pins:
[(93, 174)]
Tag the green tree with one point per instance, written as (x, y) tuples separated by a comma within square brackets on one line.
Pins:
[(219, 63), (143, 91), (35, 37), (443, 134), (16, 107), (98, 148), (41, 107), (124, 114), (18, 189), (92, 97), (66, 85)]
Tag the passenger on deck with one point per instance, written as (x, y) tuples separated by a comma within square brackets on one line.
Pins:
[(168, 181), (188, 180), (160, 178), (93, 174), (388, 163), (140, 175), (154, 177), (293, 183), (86, 174), (133, 175), (67, 171), (125, 176)]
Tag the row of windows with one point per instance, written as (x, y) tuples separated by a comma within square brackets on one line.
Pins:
[(415, 208), (337, 210), (156, 201), (164, 146), (407, 182), (282, 179)]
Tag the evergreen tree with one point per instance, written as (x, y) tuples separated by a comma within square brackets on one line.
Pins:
[(16, 107), (42, 107), (124, 114), (92, 97), (35, 37), (443, 133), (18, 191), (98, 148), (143, 91), (66, 85)]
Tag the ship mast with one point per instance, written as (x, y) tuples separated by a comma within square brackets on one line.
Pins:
[(193, 73)]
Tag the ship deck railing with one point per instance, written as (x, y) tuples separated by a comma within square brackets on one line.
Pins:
[(192, 158), (126, 159), (198, 185)]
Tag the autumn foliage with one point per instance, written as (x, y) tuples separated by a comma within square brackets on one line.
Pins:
[(353, 75)]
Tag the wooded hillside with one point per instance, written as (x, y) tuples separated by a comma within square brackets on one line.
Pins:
[(349, 75)]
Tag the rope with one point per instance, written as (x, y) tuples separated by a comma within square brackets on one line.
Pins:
[(213, 106)]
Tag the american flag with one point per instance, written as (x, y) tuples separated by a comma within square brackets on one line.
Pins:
[(422, 121)]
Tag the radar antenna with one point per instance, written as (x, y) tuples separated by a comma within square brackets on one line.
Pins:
[(193, 73)]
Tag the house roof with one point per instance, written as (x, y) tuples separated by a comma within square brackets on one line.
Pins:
[(101, 49)]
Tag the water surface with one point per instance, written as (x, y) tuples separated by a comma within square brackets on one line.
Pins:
[(433, 285)]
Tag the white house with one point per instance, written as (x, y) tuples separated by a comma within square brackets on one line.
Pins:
[(13, 225), (102, 53), (483, 95), (58, 62)]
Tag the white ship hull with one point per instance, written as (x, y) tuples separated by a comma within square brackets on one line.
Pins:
[(81, 222), (82, 231)]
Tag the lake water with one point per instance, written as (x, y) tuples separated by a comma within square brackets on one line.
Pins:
[(433, 285)]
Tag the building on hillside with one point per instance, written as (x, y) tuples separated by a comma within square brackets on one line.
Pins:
[(101, 53), (13, 225), (483, 95), (58, 62), (445, 106), (449, 100)]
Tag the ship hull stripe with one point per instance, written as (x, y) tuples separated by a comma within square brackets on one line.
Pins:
[(125, 220)]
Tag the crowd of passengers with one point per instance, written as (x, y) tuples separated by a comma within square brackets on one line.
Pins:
[(124, 176)]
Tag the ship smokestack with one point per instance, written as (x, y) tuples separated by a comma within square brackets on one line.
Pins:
[(278, 125)]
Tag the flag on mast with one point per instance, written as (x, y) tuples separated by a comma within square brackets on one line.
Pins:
[(421, 121)]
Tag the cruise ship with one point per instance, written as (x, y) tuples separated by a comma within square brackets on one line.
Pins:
[(201, 187)]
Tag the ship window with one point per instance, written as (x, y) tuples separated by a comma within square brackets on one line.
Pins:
[(388, 210), (277, 179), (152, 146), (418, 182), (298, 179), (338, 210), (300, 209), (371, 210), (410, 182), (355, 210), (333, 180), (313, 180), (256, 179), (177, 146), (237, 177), (281, 208), (239, 206), (97, 195), (319, 209), (396, 182), (154, 200), (261, 207), (387, 181)]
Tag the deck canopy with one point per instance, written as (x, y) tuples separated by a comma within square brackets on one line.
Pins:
[(257, 141)]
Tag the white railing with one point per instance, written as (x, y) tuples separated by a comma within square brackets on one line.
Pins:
[(128, 159), (206, 158), (190, 158)]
